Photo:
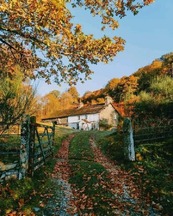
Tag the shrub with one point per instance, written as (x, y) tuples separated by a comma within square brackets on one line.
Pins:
[(103, 124)]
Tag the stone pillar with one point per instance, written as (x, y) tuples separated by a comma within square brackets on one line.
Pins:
[(32, 145), (128, 140), (53, 134), (24, 147)]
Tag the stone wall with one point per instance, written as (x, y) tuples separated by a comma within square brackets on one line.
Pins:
[(9, 171), (18, 169)]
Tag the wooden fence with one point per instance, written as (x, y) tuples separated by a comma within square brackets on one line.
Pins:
[(41, 144), (146, 131), (35, 145), (152, 130)]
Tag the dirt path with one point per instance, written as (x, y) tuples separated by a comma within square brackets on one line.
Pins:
[(126, 194), (61, 204), (123, 186)]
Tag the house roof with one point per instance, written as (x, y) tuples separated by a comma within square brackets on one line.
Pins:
[(119, 108), (124, 110), (86, 109)]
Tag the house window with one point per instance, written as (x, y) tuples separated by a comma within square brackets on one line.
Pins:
[(78, 117), (85, 116)]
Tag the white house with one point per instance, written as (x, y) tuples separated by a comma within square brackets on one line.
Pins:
[(87, 117)]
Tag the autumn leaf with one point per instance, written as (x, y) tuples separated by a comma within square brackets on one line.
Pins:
[(40, 36)]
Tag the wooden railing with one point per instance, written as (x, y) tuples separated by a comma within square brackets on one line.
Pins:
[(35, 145), (38, 140), (41, 144), (136, 132), (153, 130)]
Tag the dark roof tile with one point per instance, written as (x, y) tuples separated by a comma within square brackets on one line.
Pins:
[(86, 109)]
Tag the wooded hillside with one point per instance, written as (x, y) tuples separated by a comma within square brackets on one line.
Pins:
[(148, 91)]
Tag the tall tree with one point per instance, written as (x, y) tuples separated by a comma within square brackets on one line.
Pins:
[(74, 93), (167, 60), (40, 36), (112, 86), (66, 100), (157, 100), (146, 74), (162, 88), (122, 89), (16, 98), (94, 97), (50, 103)]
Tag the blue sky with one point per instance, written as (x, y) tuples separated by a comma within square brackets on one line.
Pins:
[(148, 35)]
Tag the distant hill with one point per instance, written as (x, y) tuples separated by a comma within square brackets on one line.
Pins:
[(128, 88)]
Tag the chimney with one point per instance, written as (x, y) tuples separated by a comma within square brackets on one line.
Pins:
[(80, 104), (108, 100)]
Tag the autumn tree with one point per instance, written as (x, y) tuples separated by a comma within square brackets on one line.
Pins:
[(86, 97), (162, 88), (157, 100), (16, 99), (74, 93), (50, 103), (146, 74), (94, 97), (66, 100), (122, 89), (112, 86), (56, 94), (130, 88), (36, 107), (39, 35), (167, 60), (55, 100)]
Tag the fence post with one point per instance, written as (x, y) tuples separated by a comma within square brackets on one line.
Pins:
[(128, 140), (31, 145), (53, 133), (24, 147)]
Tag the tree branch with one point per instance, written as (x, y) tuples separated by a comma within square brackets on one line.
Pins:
[(9, 45)]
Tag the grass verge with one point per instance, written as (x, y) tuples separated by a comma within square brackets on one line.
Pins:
[(153, 168), (80, 147), (28, 195)]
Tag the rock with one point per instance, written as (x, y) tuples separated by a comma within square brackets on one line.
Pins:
[(10, 166), (2, 166), (36, 209)]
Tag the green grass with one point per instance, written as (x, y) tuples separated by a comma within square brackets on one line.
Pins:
[(9, 141), (111, 145), (153, 172), (153, 168), (23, 195), (156, 161), (80, 147), (63, 131), (89, 177)]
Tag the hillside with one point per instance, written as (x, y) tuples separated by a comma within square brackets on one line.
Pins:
[(129, 86), (151, 84)]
